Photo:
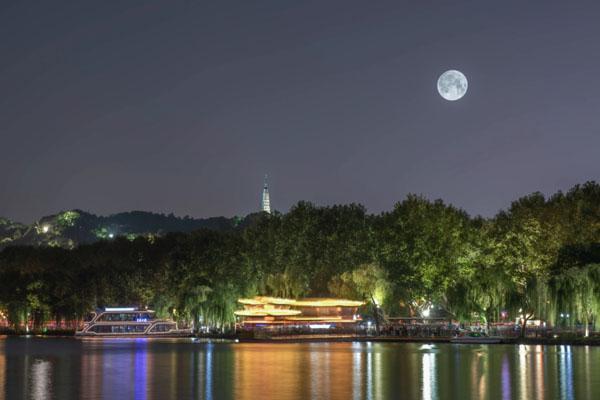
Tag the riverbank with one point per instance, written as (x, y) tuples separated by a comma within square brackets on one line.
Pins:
[(573, 341), (57, 332), (325, 338)]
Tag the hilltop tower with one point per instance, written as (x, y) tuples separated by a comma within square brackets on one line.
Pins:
[(266, 202)]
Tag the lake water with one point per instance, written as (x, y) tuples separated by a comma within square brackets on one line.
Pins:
[(69, 368)]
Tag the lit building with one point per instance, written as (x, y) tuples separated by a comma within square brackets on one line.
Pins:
[(266, 202), (314, 313)]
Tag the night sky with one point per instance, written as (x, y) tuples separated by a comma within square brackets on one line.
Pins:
[(184, 106)]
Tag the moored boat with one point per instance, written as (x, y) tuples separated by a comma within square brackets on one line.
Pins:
[(475, 338), (129, 322)]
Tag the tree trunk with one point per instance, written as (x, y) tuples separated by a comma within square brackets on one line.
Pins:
[(524, 324), (587, 325), (488, 317), (195, 322), (376, 315)]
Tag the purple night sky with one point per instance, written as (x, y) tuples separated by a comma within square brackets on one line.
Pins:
[(183, 106)]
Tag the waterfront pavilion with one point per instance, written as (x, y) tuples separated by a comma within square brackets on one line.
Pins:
[(315, 313)]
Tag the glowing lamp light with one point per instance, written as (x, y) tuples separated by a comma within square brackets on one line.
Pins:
[(119, 309), (319, 326), (111, 235), (45, 228), (426, 312)]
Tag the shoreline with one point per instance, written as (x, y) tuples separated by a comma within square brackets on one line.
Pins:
[(579, 341), (425, 340)]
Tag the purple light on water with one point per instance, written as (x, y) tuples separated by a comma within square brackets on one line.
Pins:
[(140, 373), (505, 379)]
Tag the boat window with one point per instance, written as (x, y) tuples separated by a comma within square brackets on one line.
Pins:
[(101, 328), (125, 317), (131, 328), (163, 327)]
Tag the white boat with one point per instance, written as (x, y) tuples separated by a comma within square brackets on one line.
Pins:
[(129, 322), (475, 338)]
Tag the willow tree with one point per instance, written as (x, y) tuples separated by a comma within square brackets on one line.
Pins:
[(524, 245), (191, 303), (218, 309), (485, 295), (292, 282), (368, 282), (577, 293)]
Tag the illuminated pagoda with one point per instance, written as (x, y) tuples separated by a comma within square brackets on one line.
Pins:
[(314, 312), (266, 202)]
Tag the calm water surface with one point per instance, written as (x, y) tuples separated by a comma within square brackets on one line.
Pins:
[(68, 368)]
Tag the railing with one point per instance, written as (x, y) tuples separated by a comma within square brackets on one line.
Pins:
[(409, 331)]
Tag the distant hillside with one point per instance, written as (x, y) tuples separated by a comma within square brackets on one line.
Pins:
[(10, 231), (70, 228)]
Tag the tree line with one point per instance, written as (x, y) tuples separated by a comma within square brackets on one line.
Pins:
[(539, 259)]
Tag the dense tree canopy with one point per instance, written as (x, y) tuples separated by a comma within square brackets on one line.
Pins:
[(540, 258)]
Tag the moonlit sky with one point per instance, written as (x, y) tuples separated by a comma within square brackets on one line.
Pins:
[(183, 106)]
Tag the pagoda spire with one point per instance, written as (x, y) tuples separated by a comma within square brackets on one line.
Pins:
[(266, 202)]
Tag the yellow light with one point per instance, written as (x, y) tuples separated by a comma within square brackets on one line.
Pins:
[(328, 303), (250, 302), (274, 300), (264, 300), (264, 313), (265, 306)]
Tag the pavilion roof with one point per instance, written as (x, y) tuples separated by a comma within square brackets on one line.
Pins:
[(307, 302)]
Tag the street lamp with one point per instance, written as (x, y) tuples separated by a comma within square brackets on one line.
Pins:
[(427, 312), (565, 318)]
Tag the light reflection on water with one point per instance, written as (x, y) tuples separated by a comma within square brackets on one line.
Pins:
[(566, 372), (357, 373), (39, 368), (208, 368), (524, 371), (428, 383), (40, 380), (506, 391), (140, 370)]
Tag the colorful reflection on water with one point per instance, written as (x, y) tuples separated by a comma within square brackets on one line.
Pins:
[(52, 368)]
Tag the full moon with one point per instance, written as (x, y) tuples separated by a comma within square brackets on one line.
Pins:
[(452, 85)]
